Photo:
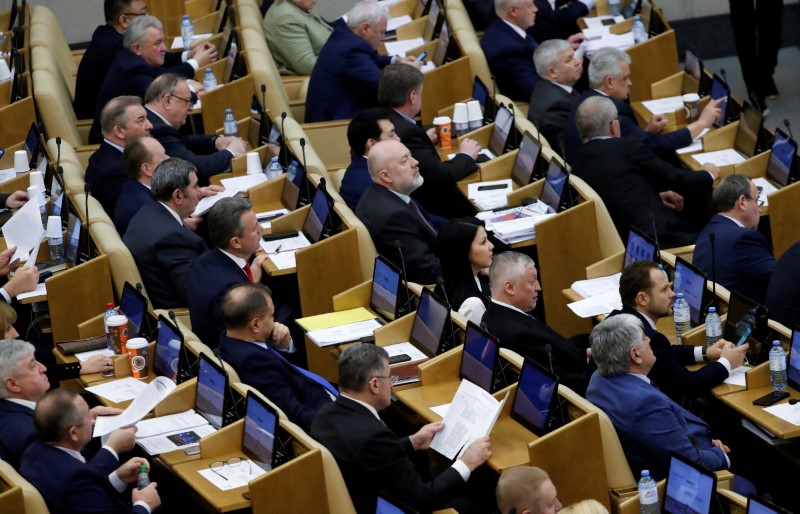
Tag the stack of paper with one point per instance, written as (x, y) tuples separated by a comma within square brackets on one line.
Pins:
[(664, 105), (339, 327), (764, 190), (281, 251), (725, 157), (397, 21), (206, 203), (243, 183), (599, 36), (401, 47), (601, 296), (520, 229), (144, 402), (487, 199), (168, 433), (597, 286)]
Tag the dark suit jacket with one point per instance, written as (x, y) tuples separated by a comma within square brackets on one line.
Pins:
[(390, 219), (298, 397), (510, 58), (16, 431), (129, 74), (629, 127), (744, 259), (558, 23), (669, 372), (105, 174), (628, 177), (650, 426), (528, 336), (345, 78), (356, 180), (163, 250), (439, 193), (374, 461), (210, 276), (133, 196), (70, 486), (549, 109), (197, 149), (783, 295)]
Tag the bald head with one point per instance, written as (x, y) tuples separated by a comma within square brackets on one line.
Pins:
[(391, 165), (594, 118)]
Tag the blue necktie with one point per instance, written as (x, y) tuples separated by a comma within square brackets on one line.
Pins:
[(309, 375)]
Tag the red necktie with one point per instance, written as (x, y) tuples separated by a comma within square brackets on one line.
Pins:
[(247, 272)]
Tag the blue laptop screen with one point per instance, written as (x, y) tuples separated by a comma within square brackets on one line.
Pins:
[(429, 323), (688, 490), (211, 385), (780, 159), (133, 305), (692, 285), (168, 347), (385, 285), (639, 249), (259, 433), (720, 90), (317, 215), (534, 397), (554, 186), (480, 355)]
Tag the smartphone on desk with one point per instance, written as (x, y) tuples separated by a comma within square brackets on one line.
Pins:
[(769, 399)]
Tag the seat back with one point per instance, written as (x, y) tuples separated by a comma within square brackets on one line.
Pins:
[(22, 497), (55, 106), (123, 267), (45, 31)]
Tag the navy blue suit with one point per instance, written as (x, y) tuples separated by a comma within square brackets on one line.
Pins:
[(556, 23), (69, 486), (297, 396), (133, 196), (16, 431), (105, 174), (650, 426), (510, 58), (164, 250), (210, 276), (345, 78), (744, 258), (629, 128), (356, 180), (783, 295), (549, 109)]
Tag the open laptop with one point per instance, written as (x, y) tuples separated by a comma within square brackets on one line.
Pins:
[(503, 122), (260, 428), (537, 393), (481, 93), (751, 123), (173, 359), (428, 327), (480, 358), (215, 400), (782, 168), (292, 187), (690, 488), (690, 281), (318, 219), (720, 89), (759, 339), (133, 304), (641, 247), (757, 505), (556, 187), (527, 166), (386, 284)]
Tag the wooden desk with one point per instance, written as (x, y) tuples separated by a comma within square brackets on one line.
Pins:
[(742, 402), (221, 501)]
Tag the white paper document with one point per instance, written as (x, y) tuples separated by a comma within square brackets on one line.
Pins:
[(41, 290), (397, 21), (696, 146), (120, 390), (282, 245), (152, 395), (596, 305), (597, 286), (266, 218), (174, 441), (599, 36), (764, 190), (725, 157), (85, 356), (343, 333), (24, 230), (472, 414), (7, 174), (284, 260), (441, 410), (664, 105), (235, 476), (786, 412), (405, 349), (243, 183), (167, 424), (736, 376), (168, 433), (207, 202), (401, 47), (490, 198), (177, 43)]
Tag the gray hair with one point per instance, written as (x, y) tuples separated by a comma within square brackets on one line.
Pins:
[(547, 55), (165, 84), (606, 63), (137, 28), (501, 6), (225, 220), (594, 116), (727, 193), (11, 353), (114, 112), (612, 340), (358, 364), (170, 175), (368, 11), (508, 266)]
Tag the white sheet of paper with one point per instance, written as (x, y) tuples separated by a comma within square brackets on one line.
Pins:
[(237, 476), (84, 356), (696, 146), (343, 333), (41, 290), (24, 229), (441, 410), (405, 349), (163, 444), (280, 246), (206, 203), (120, 390), (169, 424), (664, 105), (736, 376), (766, 190), (597, 286), (401, 47), (397, 21), (596, 305), (428, 66), (786, 412), (243, 183), (177, 43), (284, 260), (7, 174), (151, 396), (720, 157)]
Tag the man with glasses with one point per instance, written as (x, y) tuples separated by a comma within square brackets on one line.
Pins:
[(373, 461), (744, 261), (168, 102), (638, 188)]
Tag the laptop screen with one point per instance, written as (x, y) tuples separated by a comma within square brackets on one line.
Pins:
[(385, 287), (317, 216), (429, 323), (554, 185), (640, 247), (690, 488), (73, 240), (32, 143), (480, 92), (441, 47), (794, 361), (429, 32), (260, 425), (502, 125), (692, 65), (168, 350), (720, 89), (784, 152), (479, 357), (212, 383), (692, 283), (750, 123), (536, 390), (294, 180), (133, 304), (524, 164), (756, 505), (740, 306)]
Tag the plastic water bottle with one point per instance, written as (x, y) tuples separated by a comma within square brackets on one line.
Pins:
[(209, 81), (639, 32), (187, 32), (110, 311), (713, 327), (615, 7), (144, 477), (683, 316), (648, 494), (56, 246), (777, 366), (229, 125), (274, 169), (291, 172)]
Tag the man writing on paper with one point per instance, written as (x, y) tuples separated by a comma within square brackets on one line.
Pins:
[(373, 461)]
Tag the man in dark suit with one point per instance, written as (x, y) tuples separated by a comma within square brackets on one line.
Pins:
[(123, 118), (650, 426), (610, 76), (515, 291), (253, 343), (646, 294), (168, 105), (394, 220), (55, 466), (345, 77), (400, 91), (160, 243), (744, 258), (141, 158), (554, 94), (637, 187), (134, 68), (373, 461), (558, 23), (783, 295)]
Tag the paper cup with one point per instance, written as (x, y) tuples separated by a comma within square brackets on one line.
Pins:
[(254, 163), (691, 106), (5, 73), (460, 119), (137, 349), (37, 179), (21, 162), (443, 127), (54, 227), (474, 115), (118, 328)]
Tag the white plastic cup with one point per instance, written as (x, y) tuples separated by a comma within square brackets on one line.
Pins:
[(54, 226), (21, 162), (254, 163), (474, 115), (460, 118), (37, 179)]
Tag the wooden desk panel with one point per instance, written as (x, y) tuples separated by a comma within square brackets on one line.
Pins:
[(221, 501), (742, 402)]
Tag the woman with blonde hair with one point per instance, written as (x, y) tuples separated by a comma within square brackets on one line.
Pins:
[(589, 506)]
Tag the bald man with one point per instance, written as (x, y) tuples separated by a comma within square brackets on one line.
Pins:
[(528, 490)]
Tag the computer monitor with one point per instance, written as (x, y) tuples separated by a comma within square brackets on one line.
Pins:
[(719, 89), (692, 65), (537, 392), (133, 304), (555, 185), (426, 332), (690, 488), (440, 51), (526, 164), (386, 285), (318, 216), (172, 357), (479, 359), (212, 392), (757, 505), (290, 196), (738, 307), (793, 369), (260, 427), (32, 145), (503, 121), (782, 160), (480, 92), (750, 124), (434, 21), (692, 283), (640, 247), (72, 244)]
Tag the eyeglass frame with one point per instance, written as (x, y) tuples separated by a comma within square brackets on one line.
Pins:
[(392, 379), (238, 460), (187, 100)]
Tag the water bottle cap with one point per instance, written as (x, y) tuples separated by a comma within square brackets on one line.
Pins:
[(185, 16), (712, 309), (637, 18), (645, 473), (228, 111), (274, 159), (208, 70), (680, 295), (776, 343), (110, 305), (294, 162)]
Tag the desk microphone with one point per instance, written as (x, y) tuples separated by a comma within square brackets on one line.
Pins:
[(263, 132), (452, 335), (285, 147), (549, 350), (404, 277), (86, 193), (58, 153), (513, 129), (305, 168), (655, 237), (712, 239), (788, 127)]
